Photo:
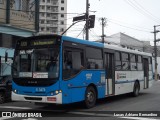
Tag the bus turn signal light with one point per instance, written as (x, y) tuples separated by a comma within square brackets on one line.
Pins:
[(51, 98)]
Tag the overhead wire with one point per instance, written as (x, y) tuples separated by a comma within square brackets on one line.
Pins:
[(141, 11), (129, 27), (139, 27), (146, 10)]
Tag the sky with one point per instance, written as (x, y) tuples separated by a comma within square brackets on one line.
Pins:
[(135, 18)]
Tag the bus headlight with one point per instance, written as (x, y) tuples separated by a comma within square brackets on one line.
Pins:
[(15, 91), (56, 92)]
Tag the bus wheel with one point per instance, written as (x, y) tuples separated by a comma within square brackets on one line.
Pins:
[(136, 89), (2, 97), (90, 97)]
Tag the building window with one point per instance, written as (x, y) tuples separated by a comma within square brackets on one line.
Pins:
[(42, 28), (48, 1), (47, 29), (48, 8), (62, 15), (48, 22), (62, 22), (43, 7), (48, 15), (62, 8), (62, 29), (43, 1), (62, 1), (42, 21), (42, 14)]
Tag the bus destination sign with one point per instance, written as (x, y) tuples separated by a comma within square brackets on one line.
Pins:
[(40, 42)]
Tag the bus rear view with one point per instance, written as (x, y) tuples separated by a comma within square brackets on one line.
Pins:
[(36, 70)]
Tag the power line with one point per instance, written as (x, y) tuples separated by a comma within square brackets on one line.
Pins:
[(140, 10), (129, 24), (119, 23), (146, 10), (129, 27), (80, 32)]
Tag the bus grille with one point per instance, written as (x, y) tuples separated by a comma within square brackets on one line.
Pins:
[(33, 98)]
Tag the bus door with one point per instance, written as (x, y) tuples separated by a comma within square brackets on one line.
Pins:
[(109, 66), (146, 72)]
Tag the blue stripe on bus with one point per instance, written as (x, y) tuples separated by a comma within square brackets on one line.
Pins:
[(126, 81), (86, 42)]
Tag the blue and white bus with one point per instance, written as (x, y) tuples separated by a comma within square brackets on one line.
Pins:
[(62, 70)]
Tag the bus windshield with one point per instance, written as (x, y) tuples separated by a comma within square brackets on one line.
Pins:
[(36, 63)]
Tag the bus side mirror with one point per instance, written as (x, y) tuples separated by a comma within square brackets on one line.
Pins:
[(6, 56)]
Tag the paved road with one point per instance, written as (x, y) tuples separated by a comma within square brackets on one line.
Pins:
[(106, 109)]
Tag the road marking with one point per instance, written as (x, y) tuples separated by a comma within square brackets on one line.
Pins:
[(139, 118), (14, 107)]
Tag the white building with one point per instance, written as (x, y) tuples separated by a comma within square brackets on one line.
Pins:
[(52, 16), (130, 42)]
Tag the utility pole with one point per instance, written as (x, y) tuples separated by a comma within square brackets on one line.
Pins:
[(103, 23), (8, 2), (87, 19), (37, 16), (155, 49)]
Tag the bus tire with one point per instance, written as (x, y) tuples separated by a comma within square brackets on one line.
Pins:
[(90, 97), (136, 89), (2, 97)]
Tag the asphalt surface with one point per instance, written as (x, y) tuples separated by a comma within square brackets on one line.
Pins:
[(144, 107)]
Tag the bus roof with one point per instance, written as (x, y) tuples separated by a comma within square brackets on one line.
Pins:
[(118, 48), (86, 42), (96, 44), (109, 46)]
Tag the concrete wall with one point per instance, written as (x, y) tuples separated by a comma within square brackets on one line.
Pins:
[(2, 11), (8, 41), (18, 16)]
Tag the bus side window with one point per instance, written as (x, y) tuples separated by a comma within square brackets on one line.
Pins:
[(125, 61), (118, 62), (133, 61), (94, 58), (139, 63), (150, 63), (73, 63)]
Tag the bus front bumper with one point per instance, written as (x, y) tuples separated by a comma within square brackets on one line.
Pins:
[(57, 99)]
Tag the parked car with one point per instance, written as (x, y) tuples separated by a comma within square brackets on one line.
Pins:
[(5, 88)]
